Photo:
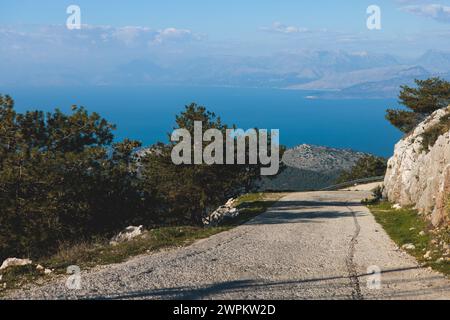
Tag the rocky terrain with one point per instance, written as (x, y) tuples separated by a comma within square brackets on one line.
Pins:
[(419, 177), (321, 159), (311, 167)]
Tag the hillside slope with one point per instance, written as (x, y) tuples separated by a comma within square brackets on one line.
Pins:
[(311, 167)]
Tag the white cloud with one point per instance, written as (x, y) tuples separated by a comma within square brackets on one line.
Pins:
[(173, 34), (279, 27), (437, 12), (88, 35), (129, 34)]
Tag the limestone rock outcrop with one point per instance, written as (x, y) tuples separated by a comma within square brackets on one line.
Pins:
[(224, 212), (128, 234), (14, 262), (420, 178)]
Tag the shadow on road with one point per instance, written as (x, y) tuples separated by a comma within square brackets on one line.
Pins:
[(251, 286), (306, 212)]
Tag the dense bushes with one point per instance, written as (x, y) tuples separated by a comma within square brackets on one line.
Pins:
[(405, 121), (63, 180), (189, 192), (429, 95), (366, 167)]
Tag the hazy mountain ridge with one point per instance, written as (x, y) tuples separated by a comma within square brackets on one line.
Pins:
[(383, 88), (310, 167), (435, 61), (339, 81), (341, 73), (336, 74)]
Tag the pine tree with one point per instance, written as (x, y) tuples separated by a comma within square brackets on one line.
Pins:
[(429, 95), (62, 179)]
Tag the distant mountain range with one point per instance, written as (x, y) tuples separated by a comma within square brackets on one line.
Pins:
[(331, 74), (310, 167), (319, 73)]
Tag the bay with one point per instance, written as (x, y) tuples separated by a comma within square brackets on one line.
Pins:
[(148, 113)]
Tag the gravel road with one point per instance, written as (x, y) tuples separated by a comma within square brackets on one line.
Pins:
[(311, 245)]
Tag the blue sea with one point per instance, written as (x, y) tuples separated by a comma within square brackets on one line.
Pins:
[(148, 113)]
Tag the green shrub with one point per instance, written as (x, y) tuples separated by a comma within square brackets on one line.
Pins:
[(406, 121), (377, 192), (366, 167), (430, 136), (189, 192), (64, 181)]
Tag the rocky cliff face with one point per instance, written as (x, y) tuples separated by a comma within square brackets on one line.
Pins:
[(422, 178)]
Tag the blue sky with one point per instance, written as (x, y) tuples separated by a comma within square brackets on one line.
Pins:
[(227, 19), (33, 33)]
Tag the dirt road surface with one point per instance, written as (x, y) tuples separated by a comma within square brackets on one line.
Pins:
[(310, 245)]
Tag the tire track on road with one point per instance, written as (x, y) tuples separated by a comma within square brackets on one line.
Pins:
[(351, 265)]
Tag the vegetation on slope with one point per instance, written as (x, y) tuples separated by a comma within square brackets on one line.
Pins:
[(406, 226), (366, 167), (65, 181), (421, 101), (310, 167), (430, 136), (100, 252)]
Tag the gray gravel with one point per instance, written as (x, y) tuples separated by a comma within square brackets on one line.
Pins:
[(313, 245)]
